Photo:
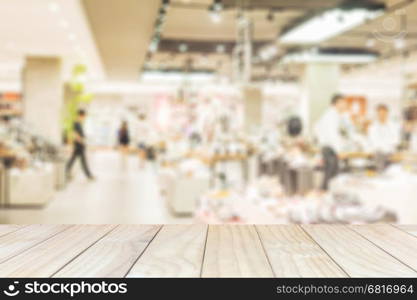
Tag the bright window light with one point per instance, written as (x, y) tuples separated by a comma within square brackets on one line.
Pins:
[(215, 17), (306, 57), (155, 76), (329, 24)]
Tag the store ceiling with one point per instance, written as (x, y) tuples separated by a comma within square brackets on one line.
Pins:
[(122, 30), (189, 22), (44, 28)]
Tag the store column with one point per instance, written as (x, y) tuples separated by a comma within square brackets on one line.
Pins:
[(321, 82), (253, 108), (43, 96)]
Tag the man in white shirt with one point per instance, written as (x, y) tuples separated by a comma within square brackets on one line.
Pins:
[(333, 126), (384, 135)]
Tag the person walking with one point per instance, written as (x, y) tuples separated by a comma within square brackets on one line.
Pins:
[(79, 146), (124, 137)]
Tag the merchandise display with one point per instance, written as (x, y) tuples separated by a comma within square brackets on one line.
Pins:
[(32, 166), (265, 202)]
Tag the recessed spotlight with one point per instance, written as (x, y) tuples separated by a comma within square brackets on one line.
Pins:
[(54, 7), (399, 44), (220, 48), (72, 37), (217, 5), (153, 47), (370, 43), (215, 10), (215, 17), (183, 48)]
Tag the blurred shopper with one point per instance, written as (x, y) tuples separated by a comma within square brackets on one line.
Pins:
[(143, 136), (384, 134), (123, 143), (333, 127), (124, 137), (79, 146)]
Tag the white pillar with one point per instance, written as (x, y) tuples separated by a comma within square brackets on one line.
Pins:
[(253, 108), (321, 82), (43, 96)]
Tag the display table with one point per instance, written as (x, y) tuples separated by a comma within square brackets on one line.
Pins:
[(182, 193), (396, 193), (209, 251), (30, 187)]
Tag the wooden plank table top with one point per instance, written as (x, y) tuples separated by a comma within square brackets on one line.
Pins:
[(380, 250)]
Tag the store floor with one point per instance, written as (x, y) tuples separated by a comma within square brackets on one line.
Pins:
[(122, 194)]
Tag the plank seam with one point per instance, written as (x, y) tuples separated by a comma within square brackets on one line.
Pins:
[(265, 252), (36, 244), (82, 251), (143, 251), (403, 230), (397, 259), (13, 231), (204, 252), (318, 244)]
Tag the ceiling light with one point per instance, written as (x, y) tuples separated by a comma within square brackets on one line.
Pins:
[(370, 43), (399, 44), (215, 17), (217, 5), (342, 58), (215, 10), (72, 37), (329, 24), (220, 49), (268, 52), (153, 47), (183, 48), (54, 7)]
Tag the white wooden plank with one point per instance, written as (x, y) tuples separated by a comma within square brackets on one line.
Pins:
[(396, 242), (113, 255), (357, 256), (411, 229), (21, 240), (46, 258), (235, 251), (176, 251), (292, 253), (6, 229)]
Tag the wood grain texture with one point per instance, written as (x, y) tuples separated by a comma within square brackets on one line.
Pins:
[(6, 229), (113, 255), (25, 238), (176, 251), (292, 253), (235, 251), (411, 229), (46, 258), (396, 242), (356, 255)]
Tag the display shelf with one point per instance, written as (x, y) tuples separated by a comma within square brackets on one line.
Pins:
[(200, 250)]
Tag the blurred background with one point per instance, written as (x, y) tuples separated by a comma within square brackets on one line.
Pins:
[(208, 111)]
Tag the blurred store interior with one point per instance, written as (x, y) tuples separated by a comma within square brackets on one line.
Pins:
[(208, 111)]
